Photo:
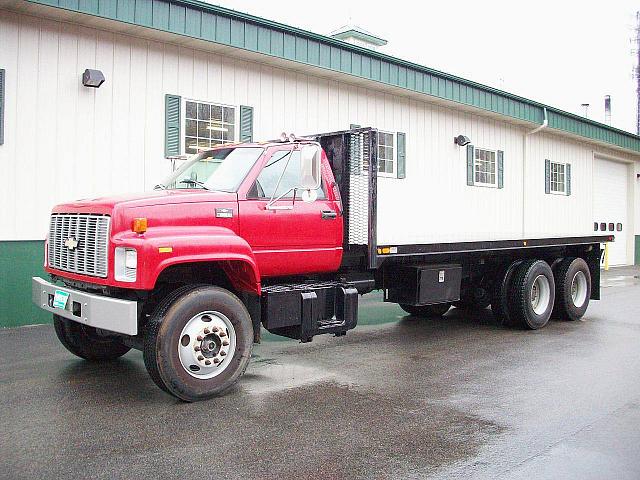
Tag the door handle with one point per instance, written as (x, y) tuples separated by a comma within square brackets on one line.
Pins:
[(328, 214)]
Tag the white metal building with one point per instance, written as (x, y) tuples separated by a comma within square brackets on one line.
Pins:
[(182, 74)]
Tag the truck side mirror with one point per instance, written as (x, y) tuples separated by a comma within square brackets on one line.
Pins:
[(310, 176)]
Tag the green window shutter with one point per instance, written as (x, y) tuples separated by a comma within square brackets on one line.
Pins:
[(246, 124), (547, 176), (469, 164), (171, 125), (2, 82), (500, 169), (402, 154), (567, 176)]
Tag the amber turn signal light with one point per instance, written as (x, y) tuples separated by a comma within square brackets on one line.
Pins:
[(139, 225)]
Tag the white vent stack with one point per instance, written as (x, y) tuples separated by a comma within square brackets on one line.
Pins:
[(607, 109)]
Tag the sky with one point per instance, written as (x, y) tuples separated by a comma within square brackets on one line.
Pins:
[(561, 53)]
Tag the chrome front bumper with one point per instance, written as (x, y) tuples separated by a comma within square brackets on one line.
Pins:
[(94, 310)]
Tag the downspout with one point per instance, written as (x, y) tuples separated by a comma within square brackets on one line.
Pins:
[(545, 124)]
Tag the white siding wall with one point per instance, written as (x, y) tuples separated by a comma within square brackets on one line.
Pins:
[(65, 141)]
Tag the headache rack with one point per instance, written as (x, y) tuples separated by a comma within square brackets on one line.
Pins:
[(353, 157)]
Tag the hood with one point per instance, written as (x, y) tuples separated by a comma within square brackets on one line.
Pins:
[(106, 205)]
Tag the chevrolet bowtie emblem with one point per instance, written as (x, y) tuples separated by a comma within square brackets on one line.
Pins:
[(71, 243)]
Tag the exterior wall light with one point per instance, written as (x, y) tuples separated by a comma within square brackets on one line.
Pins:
[(462, 140), (92, 78)]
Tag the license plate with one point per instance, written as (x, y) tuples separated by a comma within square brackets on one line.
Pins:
[(60, 299)]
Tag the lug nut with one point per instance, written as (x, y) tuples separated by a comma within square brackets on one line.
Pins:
[(200, 357), (222, 353), (225, 343), (222, 334), (214, 329), (206, 330), (207, 362), (199, 338), (216, 360), (197, 348)]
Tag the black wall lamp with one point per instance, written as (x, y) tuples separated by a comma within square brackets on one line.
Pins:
[(92, 78), (462, 140)]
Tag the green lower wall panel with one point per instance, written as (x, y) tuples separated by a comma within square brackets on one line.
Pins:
[(19, 261), (637, 250)]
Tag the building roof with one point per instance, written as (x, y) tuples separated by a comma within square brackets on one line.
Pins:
[(211, 23)]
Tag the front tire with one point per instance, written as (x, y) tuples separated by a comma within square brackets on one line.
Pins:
[(426, 311), (532, 294), (198, 342), (573, 289), (85, 342)]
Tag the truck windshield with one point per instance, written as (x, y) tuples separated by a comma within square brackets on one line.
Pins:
[(222, 169)]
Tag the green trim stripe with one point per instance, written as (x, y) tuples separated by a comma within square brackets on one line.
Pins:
[(212, 23)]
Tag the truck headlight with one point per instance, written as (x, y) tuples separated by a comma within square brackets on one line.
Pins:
[(126, 264)]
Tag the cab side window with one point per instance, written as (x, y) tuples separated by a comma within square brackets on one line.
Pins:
[(286, 161)]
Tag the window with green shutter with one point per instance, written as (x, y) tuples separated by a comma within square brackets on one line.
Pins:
[(557, 177)]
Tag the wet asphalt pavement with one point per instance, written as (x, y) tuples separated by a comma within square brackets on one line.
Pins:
[(398, 397)]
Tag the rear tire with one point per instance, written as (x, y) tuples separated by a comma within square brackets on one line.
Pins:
[(500, 298), (532, 294), (85, 342), (198, 342), (573, 289), (426, 311)]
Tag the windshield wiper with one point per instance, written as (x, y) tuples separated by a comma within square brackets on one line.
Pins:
[(194, 182)]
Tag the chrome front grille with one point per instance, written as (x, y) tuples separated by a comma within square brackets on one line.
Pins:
[(79, 243)]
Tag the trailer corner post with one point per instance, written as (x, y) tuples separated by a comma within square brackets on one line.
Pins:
[(545, 124)]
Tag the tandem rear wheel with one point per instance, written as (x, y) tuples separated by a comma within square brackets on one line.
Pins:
[(527, 293)]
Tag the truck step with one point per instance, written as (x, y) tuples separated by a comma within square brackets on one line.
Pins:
[(303, 310)]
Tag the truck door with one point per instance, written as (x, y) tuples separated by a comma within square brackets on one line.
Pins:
[(290, 236)]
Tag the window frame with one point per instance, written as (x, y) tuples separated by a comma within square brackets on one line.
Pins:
[(495, 173), (564, 178), (183, 115), (394, 160), (252, 193)]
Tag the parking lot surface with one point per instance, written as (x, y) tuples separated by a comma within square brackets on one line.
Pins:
[(398, 397)]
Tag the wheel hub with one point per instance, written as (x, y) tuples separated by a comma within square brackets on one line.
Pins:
[(579, 289), (540, 294), (207, 344)]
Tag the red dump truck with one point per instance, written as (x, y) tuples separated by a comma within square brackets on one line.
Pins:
[(283, 235)]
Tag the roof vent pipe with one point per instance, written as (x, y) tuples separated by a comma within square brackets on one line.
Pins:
[(607, 109)]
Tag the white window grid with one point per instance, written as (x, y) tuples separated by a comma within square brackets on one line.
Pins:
[(485, 167), (207, 124), (558, 178), (386, 155)]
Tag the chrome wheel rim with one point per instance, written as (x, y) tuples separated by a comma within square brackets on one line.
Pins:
[(579, 289), (207, 344), (540, 294)]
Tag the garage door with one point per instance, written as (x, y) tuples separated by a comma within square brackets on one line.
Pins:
[(610, 206)]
